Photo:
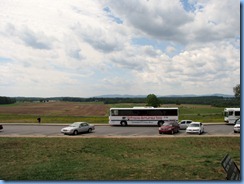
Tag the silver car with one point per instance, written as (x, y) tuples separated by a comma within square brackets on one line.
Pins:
[(184, 124), (195, 127), (237, 126), (78, 127)]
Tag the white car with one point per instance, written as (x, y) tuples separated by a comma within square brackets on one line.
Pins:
[(184, 124), (78, 127), (237, 126), (195, 127)]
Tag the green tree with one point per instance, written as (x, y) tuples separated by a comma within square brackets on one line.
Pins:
[(152, 100), (7, 100), (237, 91)]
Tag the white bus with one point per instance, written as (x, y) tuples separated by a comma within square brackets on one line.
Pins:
[(231, 115), (142, 116)]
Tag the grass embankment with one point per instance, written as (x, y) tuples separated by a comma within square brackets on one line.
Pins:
[(67, 112), (116, 159)]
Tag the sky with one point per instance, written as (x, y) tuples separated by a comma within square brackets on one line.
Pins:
[(137, 47)]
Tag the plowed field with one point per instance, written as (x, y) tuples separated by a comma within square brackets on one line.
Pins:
[(57, 108)]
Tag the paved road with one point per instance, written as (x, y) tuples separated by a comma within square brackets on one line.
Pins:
[(11, 130)]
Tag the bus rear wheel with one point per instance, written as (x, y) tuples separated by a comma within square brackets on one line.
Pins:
[(160, 123), (123, 123)]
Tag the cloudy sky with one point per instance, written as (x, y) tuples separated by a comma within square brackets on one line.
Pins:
[(85, 48)]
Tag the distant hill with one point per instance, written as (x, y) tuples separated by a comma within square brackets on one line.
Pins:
[(223, 95), (220, 100), (174, 96), (120, 96)]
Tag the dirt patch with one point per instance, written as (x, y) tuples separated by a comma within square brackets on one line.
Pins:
[(57, 108)]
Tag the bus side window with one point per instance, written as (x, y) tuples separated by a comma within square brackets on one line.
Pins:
[(135, 113), (231, 113), (237, 113), (142, 113)]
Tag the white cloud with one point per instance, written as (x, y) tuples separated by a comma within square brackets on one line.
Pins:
[(88, 48), (156, 18), (170, 49)]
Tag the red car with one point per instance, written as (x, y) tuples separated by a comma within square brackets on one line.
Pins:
[(169, 127)]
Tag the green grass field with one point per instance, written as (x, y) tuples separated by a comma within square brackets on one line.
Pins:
[(72, 158), (8, 118)]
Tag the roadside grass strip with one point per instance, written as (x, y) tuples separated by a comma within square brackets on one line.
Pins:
[(185, 158)]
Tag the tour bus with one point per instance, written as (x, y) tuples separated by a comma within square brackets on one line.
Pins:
[(142, 116), (231, 115)]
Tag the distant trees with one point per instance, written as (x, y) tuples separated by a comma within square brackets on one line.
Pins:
[(237, 92), (217, 101), (7, 100), (152, 100)]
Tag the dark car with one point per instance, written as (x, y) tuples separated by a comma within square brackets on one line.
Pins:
[(1, 127), (169, 127)]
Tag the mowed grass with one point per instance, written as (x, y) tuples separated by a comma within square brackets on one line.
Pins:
[(202, 113), (188, 158), (59, 113), (20, 118)]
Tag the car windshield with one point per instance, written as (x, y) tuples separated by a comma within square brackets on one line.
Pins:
[(194, 125), (238, 122), (76, 124)]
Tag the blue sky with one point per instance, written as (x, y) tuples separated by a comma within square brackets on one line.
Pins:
[(138, 47)]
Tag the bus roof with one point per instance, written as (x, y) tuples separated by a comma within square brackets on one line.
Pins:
[(233, 109)]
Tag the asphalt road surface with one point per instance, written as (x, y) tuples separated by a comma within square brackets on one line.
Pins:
[(14, 130)]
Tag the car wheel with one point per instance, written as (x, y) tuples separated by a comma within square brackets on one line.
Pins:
[(172, 132), (89, 130), (200, 132), (123, 123), (235, 131), (75, 132)]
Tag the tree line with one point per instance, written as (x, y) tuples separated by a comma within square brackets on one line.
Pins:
[(7, 100), (216, 101), (150, 100)]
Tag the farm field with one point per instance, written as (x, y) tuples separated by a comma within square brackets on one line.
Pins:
[(116, 158), (67, 112)]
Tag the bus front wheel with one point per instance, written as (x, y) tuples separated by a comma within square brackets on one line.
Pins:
[(123, 123)]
